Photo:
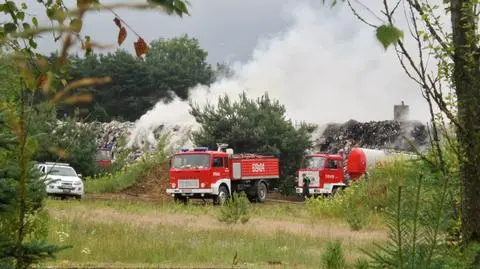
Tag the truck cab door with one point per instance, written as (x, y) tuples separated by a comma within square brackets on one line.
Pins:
[(333, 171), (219, 169)]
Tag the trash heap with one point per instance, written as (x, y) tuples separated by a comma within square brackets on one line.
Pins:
[(331, 138), (373, 135), (119, 136), (108, 134)]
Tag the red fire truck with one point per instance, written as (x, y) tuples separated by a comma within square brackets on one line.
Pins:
[(328, 172), (203, 173)]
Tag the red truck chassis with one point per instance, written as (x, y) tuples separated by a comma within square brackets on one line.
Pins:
[(202, 173)]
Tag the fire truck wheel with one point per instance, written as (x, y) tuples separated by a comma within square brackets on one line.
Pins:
[(261, 192), (222, 195)]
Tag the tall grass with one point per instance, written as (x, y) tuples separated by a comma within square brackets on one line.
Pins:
[(363, 202), (101, 240)]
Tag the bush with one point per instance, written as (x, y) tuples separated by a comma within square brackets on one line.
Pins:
[(235, 209), (333, 257), (364, 198), (126, 176)]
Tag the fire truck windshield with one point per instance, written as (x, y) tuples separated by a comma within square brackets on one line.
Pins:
[(313, 162), (183, 161)]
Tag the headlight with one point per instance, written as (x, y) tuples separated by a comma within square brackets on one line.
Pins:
[(76, 183), (202, 185), (174, 185)]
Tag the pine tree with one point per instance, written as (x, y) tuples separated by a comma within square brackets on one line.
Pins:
[(22, 195)]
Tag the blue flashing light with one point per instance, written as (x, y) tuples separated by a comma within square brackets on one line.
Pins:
[(201, 149), (184, 150)]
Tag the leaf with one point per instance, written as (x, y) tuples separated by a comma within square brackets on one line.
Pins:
[(21, 15), (51, 13), (170, 6), (24, 6), (122, 34), (60, 15), (32, 43), (76, 25), (140, 47), (117, 22), (26, 26), (9, 27), (10, 6), (388, 34), (35, 21)]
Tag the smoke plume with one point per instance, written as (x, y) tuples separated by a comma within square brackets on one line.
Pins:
[(325, 67)]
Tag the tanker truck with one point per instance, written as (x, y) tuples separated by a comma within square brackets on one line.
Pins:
[(330, 172)]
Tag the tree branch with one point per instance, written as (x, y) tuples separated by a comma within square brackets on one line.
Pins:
[(415, 4), (359, 17)]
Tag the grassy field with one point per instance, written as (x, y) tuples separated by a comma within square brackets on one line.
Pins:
[(126, 232)]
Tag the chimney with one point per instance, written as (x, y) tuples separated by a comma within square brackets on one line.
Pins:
[(401, 112)]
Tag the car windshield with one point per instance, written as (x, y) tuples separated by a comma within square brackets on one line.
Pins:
[(61, 171), (191, 161), (313, 162)]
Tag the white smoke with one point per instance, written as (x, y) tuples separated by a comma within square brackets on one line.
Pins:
[(326, 67)]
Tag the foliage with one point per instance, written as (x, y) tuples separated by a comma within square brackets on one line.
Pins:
[(253, 126), (128, 175), (451, 88), (388, 35), (333, 257), (76, 143), (22, 234), (349, 205), (22, 212), (171, 67), (178, 64), (235, 209), (364, 199)]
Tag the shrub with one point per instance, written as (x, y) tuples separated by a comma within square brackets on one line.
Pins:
[(235, 209), (365, 198), (333, 257), (126, 176)]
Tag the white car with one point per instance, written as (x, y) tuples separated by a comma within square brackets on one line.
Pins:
[(62, 180)]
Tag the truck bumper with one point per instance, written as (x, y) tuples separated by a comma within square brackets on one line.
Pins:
[(313, 191), (191, 192)]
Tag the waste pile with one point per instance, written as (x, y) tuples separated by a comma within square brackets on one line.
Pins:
[(373, 134), (116, 137)]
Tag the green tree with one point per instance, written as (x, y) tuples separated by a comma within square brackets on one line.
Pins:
[(171, 68), (77, 142), (254, 126), (176, 65)]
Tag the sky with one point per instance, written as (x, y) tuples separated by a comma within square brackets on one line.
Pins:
[(322, 63)]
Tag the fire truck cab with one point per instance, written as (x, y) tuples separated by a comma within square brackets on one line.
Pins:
[(203, 173), (325, 171)]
